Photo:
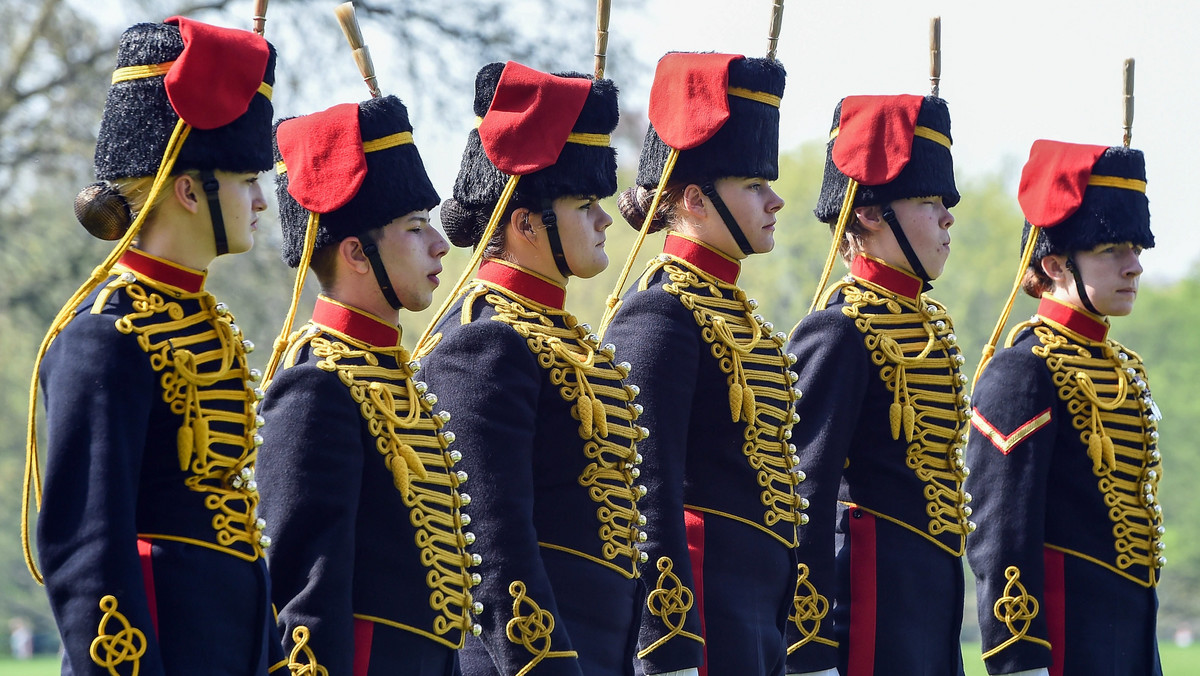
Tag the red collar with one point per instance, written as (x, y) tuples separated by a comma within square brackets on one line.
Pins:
[(163, 270), (702, 256), (893, 279), (1084, 323), (355, 323), (523, 283)]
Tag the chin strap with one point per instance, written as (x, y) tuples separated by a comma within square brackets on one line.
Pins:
[(550, 221), (1083, 296), (212, 188), (710, 191), (913, 260), (381, 276)]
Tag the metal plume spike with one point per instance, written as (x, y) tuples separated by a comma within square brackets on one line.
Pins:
[(776, 27), (1128, 86), (362, 56), (260, 16), (935, 55), (603, 10)]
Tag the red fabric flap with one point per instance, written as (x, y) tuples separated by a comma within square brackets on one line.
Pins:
[(875, 136), (531, 116), (217, 75), (1054, 180), (324, 156), (689, 100)]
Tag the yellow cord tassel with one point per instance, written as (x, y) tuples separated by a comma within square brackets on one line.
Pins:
[(735, 400), (32, 480), (989, 348), (586, 418), (894, 417), (281, 341), (488, 232), (614, 299), (601, 418)]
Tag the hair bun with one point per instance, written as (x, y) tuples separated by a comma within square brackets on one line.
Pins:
[(103, 211), (463, 225), (633, 203)]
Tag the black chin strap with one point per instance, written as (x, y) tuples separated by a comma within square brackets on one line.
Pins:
[(710, 191), (1083, 296), (914, 261), (212, 188), (550, 221), (381, 275)]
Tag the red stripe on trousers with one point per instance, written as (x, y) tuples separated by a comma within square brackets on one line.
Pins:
[(693, 522), (1055, 605), (144, 553), (863, 584), (364, 630)]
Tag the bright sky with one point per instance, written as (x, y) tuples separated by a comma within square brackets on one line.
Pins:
[(1012, 71)]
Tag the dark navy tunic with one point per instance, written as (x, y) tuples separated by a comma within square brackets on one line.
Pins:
[(720, 470), (368, 558), (1066, 470), (148, 536), (881, 435), (548, 432)]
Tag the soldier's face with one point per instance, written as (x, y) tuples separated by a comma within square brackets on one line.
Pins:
[(753, 204), (411, 249), (581, 225), (926, 223), (1110, 273), (241, 201)]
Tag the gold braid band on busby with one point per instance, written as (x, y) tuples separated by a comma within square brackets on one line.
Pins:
[(1075, 197), (711, 116), (185, 95), (550, 132), (340, 173)]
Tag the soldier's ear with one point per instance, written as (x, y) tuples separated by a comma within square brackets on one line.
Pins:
[(350, 251), (521, 225), (870, 218), (185, 188), (1055, 267), (692, 202)]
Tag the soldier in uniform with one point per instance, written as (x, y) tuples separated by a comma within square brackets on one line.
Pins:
[(1065, 445), (714, 378), (369, 565), (884, 418), (148, 535), (545, 423)]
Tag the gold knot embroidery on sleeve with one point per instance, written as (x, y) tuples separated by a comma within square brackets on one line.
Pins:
[(531, 627), (670, 602), (302, 661), (113, 649), (1017, 610), (808, 609)]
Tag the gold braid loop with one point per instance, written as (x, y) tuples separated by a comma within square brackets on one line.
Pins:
[(126, 645), (309, 667), (670, 602), (1016, 609), (531, 630)]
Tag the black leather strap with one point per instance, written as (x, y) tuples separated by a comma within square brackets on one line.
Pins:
[(914, 261), (710, 191), (550, 220), (212, 188), (381, 276), (1083, 296)]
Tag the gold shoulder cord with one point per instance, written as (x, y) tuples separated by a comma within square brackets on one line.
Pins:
[(1106, 393), (169, 336), (399, 415), (919, 361), (586, 375), (761, 386)]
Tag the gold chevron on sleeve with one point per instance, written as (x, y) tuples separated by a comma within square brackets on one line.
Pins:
[(1006, 442)]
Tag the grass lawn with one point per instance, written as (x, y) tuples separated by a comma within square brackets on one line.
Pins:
[(1176, 662)]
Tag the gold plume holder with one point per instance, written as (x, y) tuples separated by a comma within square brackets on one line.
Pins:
[(935, 56), (1127, 82), (362, 56), (603, 10)]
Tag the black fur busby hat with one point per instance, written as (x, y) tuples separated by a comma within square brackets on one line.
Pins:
[(746, 144), (586, 164), (896, 147), (355, 165), (141, 109), (1081, 196)]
